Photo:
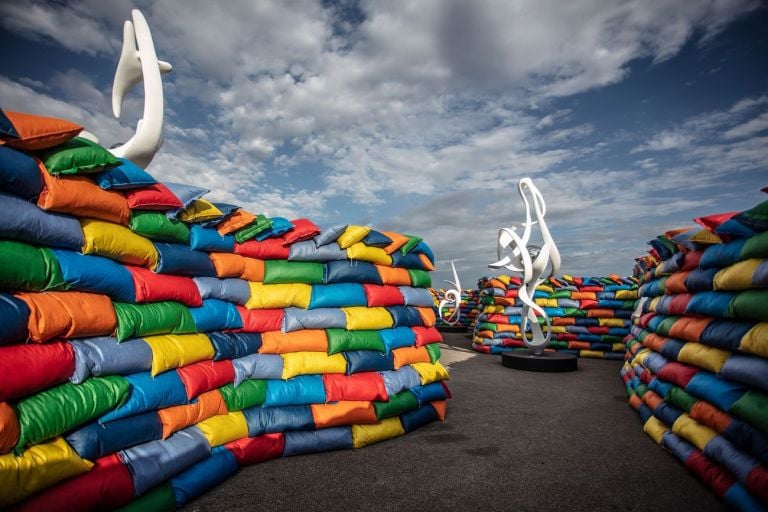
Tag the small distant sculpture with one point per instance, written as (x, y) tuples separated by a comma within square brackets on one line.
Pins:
[(138, 61), (532, 262), (451, 300)]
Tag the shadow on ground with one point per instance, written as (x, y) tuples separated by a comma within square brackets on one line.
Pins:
[(512, 441)]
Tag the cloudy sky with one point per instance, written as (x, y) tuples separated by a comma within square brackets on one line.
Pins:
[(632, 117)]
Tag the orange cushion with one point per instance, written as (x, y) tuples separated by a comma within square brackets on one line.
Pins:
[(305, 340), (9, 428), (348, 412), (394, 276), (39, 132), (81, 197), (68, 315), (410, 355), (237, 220), (234, 265), (207, 405), (398, 241)]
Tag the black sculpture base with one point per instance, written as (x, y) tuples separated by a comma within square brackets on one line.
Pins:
[(547, 362), (450, 328)]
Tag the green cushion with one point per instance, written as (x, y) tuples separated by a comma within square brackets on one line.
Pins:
[(77, 156), (157, 226), (341, 340), (282, 272), (138, 320), (26, 267), (400, 403), (249, 393)]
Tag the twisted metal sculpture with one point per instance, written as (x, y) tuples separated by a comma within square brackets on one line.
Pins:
[(532, 262), (138, 61), (452, 299)]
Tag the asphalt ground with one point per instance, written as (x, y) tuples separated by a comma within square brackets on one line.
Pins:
[(513, 440)]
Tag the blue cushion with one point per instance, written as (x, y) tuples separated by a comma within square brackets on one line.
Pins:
[(301, 390), (216, 315), (6, 127), (316, 441), (183, 260), (96, 440), (226, 209), (125, 176), (31, 224), (155, 462), (95, 274), (104, 355), (322, 318), (337, 295), (359, 361), (376, 239), (329, 235), (232, 290), (266, 420), (149, 394), (400, 380), (412, 420), (14, 314), (351, 272), (233, 345), (19, 174), (209, 240), (204, 475), (258, 366), (278, 227)]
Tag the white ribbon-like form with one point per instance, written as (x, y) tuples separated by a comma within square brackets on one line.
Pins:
[(138, 61), (532, 262), (452, 299)]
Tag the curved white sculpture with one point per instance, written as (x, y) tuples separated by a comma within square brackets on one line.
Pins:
[(138, 61), (452, 300), (532, 262)]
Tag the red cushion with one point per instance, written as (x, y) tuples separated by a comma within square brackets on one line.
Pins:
[(710, 473), (677, 373), (152, 287), (367, 386), (261, 320), (108, 485), (205, 376), (153, 197), (29, 368), (39, 132), (269, 249), (303, 229), (382, 295), (426, 335), (711, 222), (250, 450)]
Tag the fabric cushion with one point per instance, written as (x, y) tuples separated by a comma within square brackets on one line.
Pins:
[(153, 197), (19, 173), (80, 197), (78, 156), (200, 211), (6, 127), (39, 132), (124, 176)]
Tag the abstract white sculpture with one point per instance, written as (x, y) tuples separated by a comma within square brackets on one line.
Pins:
[(532, 261), (138, 61), (452, 300)]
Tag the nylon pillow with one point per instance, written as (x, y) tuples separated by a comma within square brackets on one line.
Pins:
[(78, 156), (19, 173), (38, 132), (124, 176)]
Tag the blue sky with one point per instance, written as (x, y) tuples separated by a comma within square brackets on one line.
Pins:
[(631, 117)]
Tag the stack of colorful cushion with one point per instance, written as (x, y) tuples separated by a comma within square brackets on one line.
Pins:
[(696, 369), (153, 342), (590, 316), (467, 313)]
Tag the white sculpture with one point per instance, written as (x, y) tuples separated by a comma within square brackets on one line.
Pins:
[(138, 61), (452, 299), (532, 261)]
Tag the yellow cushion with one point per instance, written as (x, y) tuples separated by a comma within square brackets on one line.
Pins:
[(361, 318), (352, 235), (431, 372), (312, 363), (176, 350), (504, 279), (200, 211), (738, 276), (626, 294), (697, 434), (362, 252), (40, 466), (610, 322), (363, 435), (224, 428), (709, 358), (655, 429), (274, 296), (118, 243), (756, 340)]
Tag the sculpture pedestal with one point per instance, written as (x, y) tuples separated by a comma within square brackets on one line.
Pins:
[(450, 328), (547, 362)]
